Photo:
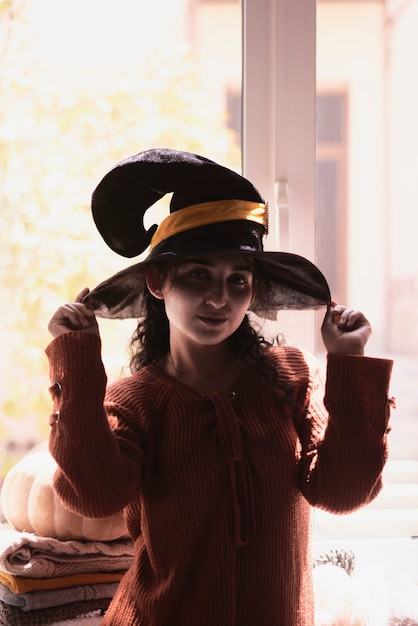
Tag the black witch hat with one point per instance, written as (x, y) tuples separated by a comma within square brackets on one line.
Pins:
[(213, 210)]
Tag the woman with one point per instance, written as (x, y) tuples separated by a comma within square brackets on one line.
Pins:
[(218, 444)]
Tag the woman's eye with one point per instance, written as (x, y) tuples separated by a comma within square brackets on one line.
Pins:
[(196, 273), (239, 279)]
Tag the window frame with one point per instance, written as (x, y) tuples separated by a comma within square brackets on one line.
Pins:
[(278, 131)]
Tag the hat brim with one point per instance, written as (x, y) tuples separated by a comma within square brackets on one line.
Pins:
[(292, 282)]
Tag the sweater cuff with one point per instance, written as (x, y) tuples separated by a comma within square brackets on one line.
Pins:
[(345, 364), (74, 352), (76, 372), (359, 384)]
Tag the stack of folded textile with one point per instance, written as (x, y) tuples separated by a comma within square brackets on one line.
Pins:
[(45, 581)]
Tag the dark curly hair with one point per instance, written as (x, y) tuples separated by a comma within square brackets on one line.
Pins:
[(150, 341)]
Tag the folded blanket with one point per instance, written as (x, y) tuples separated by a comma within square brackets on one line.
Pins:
[(90, 620), (23, 584), (34, 600), (27, 554), (13, 616)]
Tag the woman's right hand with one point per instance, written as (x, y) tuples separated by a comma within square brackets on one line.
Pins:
[(74, 316)]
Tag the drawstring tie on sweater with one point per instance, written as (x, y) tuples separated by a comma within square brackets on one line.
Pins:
[(230, 436)]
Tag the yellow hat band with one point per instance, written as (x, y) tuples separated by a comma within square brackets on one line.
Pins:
[(210, 213)]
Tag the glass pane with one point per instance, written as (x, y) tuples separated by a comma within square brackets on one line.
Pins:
[(85, 84), (367, 191)]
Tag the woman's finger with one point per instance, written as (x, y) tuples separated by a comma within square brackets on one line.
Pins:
[(80, 297)]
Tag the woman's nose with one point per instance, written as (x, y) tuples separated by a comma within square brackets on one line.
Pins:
[(216, 295)]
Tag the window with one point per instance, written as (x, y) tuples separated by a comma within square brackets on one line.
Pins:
[(352, 63), (78, 95)]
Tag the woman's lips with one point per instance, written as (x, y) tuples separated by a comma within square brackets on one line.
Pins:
[(212, 321)]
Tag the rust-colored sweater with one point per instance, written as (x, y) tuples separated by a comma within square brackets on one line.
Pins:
[(217, 490)]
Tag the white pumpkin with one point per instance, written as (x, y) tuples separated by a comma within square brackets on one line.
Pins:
[(30, 503)]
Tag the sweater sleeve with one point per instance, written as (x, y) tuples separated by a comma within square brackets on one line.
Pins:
[(98, 470), (344, 434)]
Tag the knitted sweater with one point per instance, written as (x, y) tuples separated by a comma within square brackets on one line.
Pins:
[(217, 490)]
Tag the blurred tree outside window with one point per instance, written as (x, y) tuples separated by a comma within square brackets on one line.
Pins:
[(82, 86)]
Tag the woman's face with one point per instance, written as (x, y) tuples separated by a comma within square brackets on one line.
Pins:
[(205, 298)]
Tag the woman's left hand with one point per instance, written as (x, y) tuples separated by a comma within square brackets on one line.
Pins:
[(344, 330)]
